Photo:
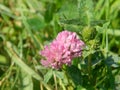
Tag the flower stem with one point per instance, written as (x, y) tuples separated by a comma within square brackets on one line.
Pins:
[(55, 81)]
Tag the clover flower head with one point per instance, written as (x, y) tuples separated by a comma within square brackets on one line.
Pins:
[(62, 50)]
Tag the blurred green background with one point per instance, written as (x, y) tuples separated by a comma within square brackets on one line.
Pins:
[(27, 25)]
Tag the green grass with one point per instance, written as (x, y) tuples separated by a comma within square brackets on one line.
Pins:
[(27, 25)]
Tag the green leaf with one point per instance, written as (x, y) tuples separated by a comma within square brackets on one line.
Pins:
[(97, 22), (59, 74), (75, 74), (48, 76), (49, 12), (69, 10), (36, 23), (72, 21), (26, 81), (103, 28), (85, 8), (113, 60)]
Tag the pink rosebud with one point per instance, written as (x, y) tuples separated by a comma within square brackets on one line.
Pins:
[(62, 50)]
